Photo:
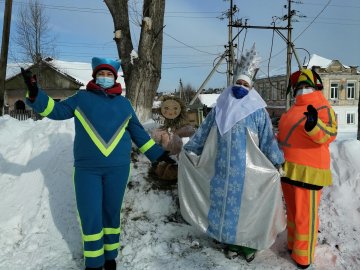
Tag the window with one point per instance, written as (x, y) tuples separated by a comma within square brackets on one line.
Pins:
[(267, 91), (273, 92), (334, 91), (350, 90), (282, 91), (350, 118)]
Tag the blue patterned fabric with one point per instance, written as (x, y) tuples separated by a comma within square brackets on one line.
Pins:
[(226, 186)]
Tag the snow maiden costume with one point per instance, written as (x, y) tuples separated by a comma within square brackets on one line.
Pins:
[(229, 186), (105, 126)]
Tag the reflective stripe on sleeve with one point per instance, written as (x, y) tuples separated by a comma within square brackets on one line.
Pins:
[(147, 146), (49, 108)]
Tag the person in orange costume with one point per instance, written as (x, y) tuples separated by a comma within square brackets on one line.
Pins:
[(305, 132)]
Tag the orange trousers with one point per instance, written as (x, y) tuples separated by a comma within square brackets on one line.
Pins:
[(302, 221)]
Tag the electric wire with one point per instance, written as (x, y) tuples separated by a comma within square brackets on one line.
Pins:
[(302, 32)]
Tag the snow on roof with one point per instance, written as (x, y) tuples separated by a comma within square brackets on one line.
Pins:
[(318, 61), (315, 60), (13, 69), (78, 70), (209, 99)]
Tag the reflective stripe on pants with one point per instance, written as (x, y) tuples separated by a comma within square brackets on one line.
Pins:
[(302, 220), (99, 195)]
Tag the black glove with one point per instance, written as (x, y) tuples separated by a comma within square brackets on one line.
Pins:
[(31, 83), (311, 118), (166, 158)]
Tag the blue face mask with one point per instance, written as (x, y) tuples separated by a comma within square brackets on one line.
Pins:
[(105, 82), (239, 91)]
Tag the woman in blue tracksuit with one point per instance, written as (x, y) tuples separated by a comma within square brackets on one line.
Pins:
[(105, 126)]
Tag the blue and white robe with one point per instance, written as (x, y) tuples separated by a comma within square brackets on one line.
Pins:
[(229, 186)]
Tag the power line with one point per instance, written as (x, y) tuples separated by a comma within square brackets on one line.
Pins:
[(302, 32), (278, 53), (192, 66), (341, 6), (106, 11), (191, 17), (189, 45)]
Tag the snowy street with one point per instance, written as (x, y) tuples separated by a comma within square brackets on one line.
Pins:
[(39, 228)]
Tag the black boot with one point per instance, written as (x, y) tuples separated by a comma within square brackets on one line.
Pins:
[(96, 268), (110, 265), (301, 266)]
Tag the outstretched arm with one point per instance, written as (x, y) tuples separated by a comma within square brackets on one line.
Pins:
[(197, 141)]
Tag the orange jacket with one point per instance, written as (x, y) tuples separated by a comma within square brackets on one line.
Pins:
[(307, 156)]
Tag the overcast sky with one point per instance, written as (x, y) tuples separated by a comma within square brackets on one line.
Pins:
[(194, 35)]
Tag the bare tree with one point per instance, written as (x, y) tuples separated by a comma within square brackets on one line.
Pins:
[(186, 93), (142, 70), (33, 32)]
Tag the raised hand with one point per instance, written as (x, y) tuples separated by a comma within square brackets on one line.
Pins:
[(311, 117), (31, 83)]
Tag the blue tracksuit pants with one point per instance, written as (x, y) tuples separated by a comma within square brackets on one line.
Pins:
[(99, 195)]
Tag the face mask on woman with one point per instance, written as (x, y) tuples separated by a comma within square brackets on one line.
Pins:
[(239, 91), (105, 82), (304, 91)]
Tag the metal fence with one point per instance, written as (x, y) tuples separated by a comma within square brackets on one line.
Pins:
[(23, 115)]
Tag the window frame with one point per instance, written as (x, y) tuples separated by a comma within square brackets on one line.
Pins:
[(282, 91), (337, 90), (352, 117), (353, 89)]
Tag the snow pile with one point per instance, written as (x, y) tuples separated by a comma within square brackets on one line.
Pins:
[(39, 228)]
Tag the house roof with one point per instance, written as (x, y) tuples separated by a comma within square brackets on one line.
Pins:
[(13, 70), (320, 61), (209, 99), (78, 71), (315, 60)]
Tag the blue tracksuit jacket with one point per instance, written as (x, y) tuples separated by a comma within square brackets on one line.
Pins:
[(105, 124)]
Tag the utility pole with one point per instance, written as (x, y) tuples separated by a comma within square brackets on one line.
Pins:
[(198, 92), (288, 52), (180, 89), (4, 51), (230, 63), (229, 52), (290, 45)]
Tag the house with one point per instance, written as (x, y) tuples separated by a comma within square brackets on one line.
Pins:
[(201, 107), (60, 79), (341, 88)]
